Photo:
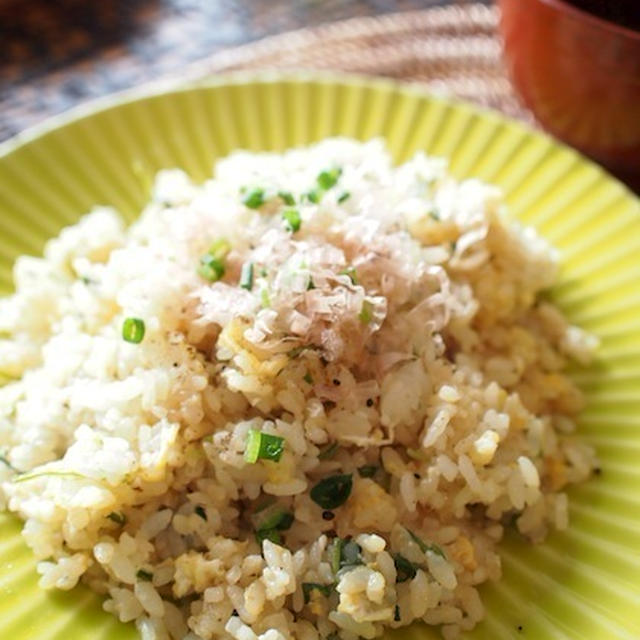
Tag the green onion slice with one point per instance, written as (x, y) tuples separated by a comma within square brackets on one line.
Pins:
[(246, 276), (424, 547), (144, 575), (351, 272), (254, 198), (328, 451), (405, 569), (292, 220), (268, 534), (211, 268), (133, 330), (118, 518), (287, 198), (345, 195), (366, 313), (368, 470), (263, 446), (332, 492), (328, 178), (275, 517)]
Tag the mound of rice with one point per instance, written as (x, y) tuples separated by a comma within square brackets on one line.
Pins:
[(301, 400)]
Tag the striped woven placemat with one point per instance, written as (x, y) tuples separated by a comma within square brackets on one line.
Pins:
[(453, 50)]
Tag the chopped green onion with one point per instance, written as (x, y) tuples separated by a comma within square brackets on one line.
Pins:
[(350, 554), (351, 272), (118, 518), (434, 215), (345, 195), (220, 248), (246, 277), (328, 178), (292, 220), (315, 195), (133, 330), (424, 547), (211, 268), (307, 378), (294, 353), (366, 313), (254, 198), (311, 284), (329, 451), (405, 569), (368, 470), (263, 272), (286, 197), (144, 575), (199, 510), (335, 554), (308, 587), (264, 503), (265, 300), (276, 518), (332, 492), (269, 534), (263, 446)]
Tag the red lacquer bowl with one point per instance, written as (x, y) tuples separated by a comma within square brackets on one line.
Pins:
[(580, 75)]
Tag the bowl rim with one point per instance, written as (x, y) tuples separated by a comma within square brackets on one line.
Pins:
[(563, 6), (173, 84)]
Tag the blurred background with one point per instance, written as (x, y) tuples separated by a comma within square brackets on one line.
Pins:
[(571, 67), (55, 54)]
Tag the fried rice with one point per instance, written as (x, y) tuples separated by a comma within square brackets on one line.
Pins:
[(302, 400)]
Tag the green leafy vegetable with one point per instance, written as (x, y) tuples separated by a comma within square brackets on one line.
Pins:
[(263, 446), (350, 555), (133, 330)]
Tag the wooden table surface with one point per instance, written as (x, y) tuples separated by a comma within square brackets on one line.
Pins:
[(55, 54)]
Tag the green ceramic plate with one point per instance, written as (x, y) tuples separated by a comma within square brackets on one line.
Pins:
[(583, 584)]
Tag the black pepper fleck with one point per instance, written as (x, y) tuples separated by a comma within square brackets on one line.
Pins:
[(234, 612), (336, 382), (416, 476), (597, 471), (328, 515), (519, 627), (369, 402)]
